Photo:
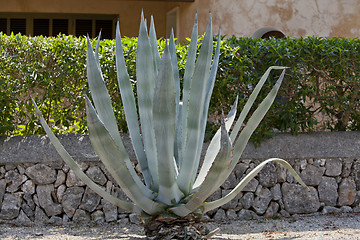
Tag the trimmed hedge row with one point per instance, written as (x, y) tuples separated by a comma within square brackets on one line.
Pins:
[(320, 92)]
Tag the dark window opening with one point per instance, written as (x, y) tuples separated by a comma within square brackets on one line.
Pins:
[(41, 27), (275, 34), (105, 26), (18, 25), (3, 25), (60, 26), (83, 27)]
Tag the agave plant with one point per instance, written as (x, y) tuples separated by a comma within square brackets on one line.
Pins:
[(171, 189)]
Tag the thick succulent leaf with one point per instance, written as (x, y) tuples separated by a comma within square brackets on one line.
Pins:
[(145, 74), (214, 146), (215, 204), (97, 49), (164, 113), (251, 101), (218, 173), (254, 121), (209, 90), (188, 76), (113, 160), (195, 112), (128, 100), (153, 42), (79, 173), (103, 103), (178, 135), (101, 96), (172, 49)]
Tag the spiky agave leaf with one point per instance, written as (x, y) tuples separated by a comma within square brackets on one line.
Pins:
[(215, 204), (77, 170), (164, 114), (168, 148), (194, 112)]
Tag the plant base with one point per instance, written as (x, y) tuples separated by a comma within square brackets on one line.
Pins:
[(189, 228)]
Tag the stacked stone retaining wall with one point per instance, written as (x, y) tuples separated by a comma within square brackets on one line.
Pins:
[(36, 186)]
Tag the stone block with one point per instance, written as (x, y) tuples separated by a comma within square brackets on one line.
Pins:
[(328, 191), (44, 193), (272, 210), (298, 200), (10, 208), (333, 167), (81, 216), (247, 200), (71, 200), (312, 175), (90, 200), (347, 192), (262, 200), (110, 211), (41, 174), (72, 180), (14, 181), (247, 214), (96, 175), (268, 175)]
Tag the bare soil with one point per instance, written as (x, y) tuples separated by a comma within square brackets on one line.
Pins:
[(324, 227)]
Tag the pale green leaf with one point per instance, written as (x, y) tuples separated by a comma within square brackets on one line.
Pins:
[(128, 101), (114, 161), (77, 170), (215, 204)]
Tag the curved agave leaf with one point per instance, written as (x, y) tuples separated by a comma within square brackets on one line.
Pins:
[(251, 101), (164, 113), (101, 96), (103, 103), (215, 204), (195, 112), (114, 161), (97, 49), (172, 49), (209, 90), (254, 121), (145, 74), (128, 100), (177, 144), (216, 176), (214, 146), (153, 43), (77, 170), (189, 71)]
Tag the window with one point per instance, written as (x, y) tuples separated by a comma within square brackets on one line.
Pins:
[(83, 27), (18, 25), (54, 24), (60, 26), (106, 28), (41, 27), (3, 25)]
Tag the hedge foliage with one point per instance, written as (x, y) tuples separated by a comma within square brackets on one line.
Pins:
[(320, 92)]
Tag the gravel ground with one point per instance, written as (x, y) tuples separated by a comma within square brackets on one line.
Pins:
[(340, 226)]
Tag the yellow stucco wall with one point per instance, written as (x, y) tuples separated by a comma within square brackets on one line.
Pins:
[(326, 18), (128, 11)]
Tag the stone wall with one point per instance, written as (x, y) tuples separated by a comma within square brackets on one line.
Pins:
[(46, 190)]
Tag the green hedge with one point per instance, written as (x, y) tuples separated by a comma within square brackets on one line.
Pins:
[(320, 92)]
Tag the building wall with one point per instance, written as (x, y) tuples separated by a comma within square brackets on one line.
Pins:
[(129, 11), (298, 18), (326, 18)]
